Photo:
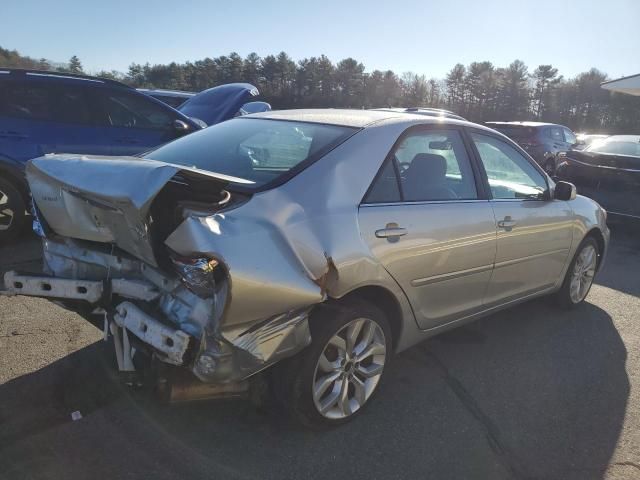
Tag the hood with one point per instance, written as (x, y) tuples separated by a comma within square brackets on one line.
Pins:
[(218, 104), (108, 199)]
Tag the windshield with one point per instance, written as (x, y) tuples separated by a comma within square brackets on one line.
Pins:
[(260, 150), (615, 147)]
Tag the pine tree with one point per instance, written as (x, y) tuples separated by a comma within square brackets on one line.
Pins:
[(75, 66), (546, 78)]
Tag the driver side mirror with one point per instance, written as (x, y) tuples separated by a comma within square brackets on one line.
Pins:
[(565, 191), (180, 127)]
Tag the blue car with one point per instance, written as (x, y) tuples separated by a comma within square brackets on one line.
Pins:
[(48, 112)]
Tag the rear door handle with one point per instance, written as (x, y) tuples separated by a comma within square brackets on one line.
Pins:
[(391, 232), (508, 223)]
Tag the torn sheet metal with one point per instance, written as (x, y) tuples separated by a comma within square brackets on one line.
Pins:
[(266, 278), (279, 337), (105, 199)]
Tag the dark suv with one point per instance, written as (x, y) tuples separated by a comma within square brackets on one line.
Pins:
[(47, 112), (543, 141)]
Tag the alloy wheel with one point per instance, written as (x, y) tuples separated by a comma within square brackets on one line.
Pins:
[(583, 272), (349, 369)]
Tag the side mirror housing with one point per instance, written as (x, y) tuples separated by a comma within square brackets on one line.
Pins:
[(565, 191), (180, 127)]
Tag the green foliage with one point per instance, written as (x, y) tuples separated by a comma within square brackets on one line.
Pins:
[(12, 59), (479, 91)]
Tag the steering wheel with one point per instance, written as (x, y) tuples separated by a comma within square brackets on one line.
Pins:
[(404, 166)]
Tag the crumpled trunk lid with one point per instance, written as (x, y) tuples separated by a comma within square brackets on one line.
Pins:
[(108, 199)]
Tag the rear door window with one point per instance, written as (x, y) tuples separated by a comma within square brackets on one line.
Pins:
[(385, 187), (433, 165), (71, 105)]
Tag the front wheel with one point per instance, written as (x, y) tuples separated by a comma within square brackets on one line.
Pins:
[(332, 380), (579, 276)]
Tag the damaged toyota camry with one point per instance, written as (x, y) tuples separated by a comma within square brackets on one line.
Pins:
[(306, 247)]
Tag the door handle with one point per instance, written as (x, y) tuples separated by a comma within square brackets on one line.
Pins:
[(391, 232), (508, 223)]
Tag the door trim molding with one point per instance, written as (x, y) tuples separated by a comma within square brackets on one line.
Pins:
[(515, 261), (418, 282)]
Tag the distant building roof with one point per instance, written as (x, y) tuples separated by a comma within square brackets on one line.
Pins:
[(629, 85)]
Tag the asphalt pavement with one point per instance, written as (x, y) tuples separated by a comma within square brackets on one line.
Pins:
[(530, 393)]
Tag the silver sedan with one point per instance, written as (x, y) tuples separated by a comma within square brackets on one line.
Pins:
[(309, 244)]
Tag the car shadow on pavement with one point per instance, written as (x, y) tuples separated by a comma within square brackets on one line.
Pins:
[(530, 392), (623, 260)]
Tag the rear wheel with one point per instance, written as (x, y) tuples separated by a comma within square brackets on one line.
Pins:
[(331, 381), (12, 211), (579, 276)]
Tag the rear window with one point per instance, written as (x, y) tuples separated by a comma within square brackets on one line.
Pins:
[(260, 150), (516, 131)]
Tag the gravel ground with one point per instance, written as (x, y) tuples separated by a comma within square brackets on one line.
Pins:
[(532, 392)]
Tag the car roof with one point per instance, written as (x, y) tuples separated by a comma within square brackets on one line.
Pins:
[(357, 118), (344, 117), (421, 111), (62, 77), (525, 124)]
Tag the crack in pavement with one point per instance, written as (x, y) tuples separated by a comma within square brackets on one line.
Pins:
[(628, 464), (505, 455), (20, 334)]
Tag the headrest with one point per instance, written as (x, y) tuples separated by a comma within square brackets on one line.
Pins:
[(429, 166)]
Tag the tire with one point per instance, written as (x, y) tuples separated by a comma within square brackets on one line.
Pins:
[(12, 211), (299, 379), (573, 292)]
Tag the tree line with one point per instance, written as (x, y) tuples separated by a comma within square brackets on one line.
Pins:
[(479, 91)]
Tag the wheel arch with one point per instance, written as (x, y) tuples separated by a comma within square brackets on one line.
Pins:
[(597, 235), (385, 300), (16, 178)]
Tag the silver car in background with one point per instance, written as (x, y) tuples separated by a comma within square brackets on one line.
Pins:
[(309, 244)]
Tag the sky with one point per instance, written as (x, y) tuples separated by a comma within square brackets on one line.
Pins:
[(424, 36)]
